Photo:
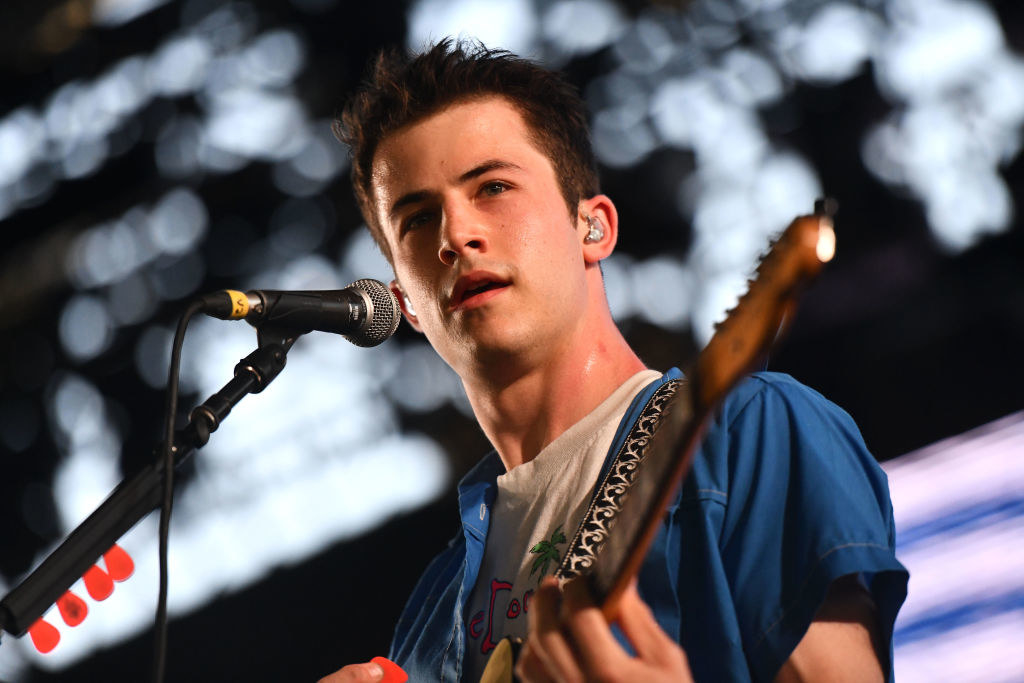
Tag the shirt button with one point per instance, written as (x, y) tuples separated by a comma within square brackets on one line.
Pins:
[(483, 511)]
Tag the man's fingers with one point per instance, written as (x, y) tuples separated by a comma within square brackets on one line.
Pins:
[(570, 640), (530, 667), (640, 627), (546, 642), (589, 630)]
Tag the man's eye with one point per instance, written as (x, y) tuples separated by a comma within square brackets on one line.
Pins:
[(417, 220), (494, 187)]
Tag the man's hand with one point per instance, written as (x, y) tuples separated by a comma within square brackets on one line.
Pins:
[(570, 641)]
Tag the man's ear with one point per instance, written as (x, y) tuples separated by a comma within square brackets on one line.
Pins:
[(405, 305), (598, 235)]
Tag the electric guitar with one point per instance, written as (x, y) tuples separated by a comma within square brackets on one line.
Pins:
[(610, 544)]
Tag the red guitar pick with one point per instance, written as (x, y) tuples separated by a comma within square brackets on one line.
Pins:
[(98, 583), (72, 608), (392, 672), (119, 563), (45, 635)]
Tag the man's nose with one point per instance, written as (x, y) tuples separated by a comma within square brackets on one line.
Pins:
[(462, 232)]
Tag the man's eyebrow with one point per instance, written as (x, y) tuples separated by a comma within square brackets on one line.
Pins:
[(475, 172), (408, 198), (489, 165)]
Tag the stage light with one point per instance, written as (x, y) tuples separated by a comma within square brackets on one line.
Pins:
[(116, 12), (958, 506), (667, 286), (511, 25), (86, 327), (362, 257), (177, 222), (579, 27)]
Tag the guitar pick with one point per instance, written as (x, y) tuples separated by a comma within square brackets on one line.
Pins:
[(119, 563), (392, 672), (98, 583), (45, 635), (72, 608)]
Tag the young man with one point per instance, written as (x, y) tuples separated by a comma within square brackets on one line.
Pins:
[(474, 171)]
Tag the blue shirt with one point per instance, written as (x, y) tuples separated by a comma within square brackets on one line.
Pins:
[(783, 498)]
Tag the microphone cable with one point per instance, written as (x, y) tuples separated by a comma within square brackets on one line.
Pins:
[(170, 413)]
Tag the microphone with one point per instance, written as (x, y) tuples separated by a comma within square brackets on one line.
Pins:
[(366, 312)]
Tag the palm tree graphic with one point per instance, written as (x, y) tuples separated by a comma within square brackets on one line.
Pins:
[(547, 552)]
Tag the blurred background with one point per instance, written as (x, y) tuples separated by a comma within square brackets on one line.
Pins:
[(153, 150)]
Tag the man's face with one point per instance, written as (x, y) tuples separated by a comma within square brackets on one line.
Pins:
[(480, 236)]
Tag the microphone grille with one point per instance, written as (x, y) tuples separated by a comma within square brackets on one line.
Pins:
[(382, 315)]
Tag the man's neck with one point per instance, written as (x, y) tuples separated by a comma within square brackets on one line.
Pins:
[(522, 412)]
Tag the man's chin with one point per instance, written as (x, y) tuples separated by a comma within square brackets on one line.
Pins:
[(496, 345)]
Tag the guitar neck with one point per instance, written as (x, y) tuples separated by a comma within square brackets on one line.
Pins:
[(738, 345)]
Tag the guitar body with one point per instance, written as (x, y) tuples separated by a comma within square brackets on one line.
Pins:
[(501, 665)]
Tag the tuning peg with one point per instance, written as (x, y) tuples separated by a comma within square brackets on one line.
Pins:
[(119, 563), (72, 608), (98, 583), (45, 635)]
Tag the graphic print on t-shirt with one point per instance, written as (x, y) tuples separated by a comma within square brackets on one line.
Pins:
[(548, 553), (548, 557)]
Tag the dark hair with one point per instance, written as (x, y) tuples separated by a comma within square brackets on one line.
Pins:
[(401, 89)]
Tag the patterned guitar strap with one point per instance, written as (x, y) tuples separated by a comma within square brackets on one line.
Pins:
[(611, 492), (600, 516)]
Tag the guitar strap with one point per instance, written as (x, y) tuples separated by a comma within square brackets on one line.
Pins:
[(616, 477)]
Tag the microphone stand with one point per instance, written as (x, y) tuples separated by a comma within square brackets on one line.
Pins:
[(136, 497)]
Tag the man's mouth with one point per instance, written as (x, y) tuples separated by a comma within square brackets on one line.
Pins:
[(474, 288)]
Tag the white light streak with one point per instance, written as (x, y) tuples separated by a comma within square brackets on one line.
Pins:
[(85, 327), (22, 139), (959, 532), (664, 290), (246, 111), (622, 136), (427, 381), (318, 162), (83, 480), (508, 24), (989, 652), (836, 42), (158, 243), (363, 258), (748, 78), (179, 65), (273, 59), (178, 222), (935, 46), (257, 124), (645, 46), (577, 27), (117, 12)]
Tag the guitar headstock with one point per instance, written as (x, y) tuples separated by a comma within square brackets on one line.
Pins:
[(628, 510), (750, 328)]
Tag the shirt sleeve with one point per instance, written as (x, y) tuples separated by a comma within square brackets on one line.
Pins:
[(807, 504)]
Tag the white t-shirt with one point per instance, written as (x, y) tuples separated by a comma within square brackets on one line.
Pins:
[(538, 506)]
